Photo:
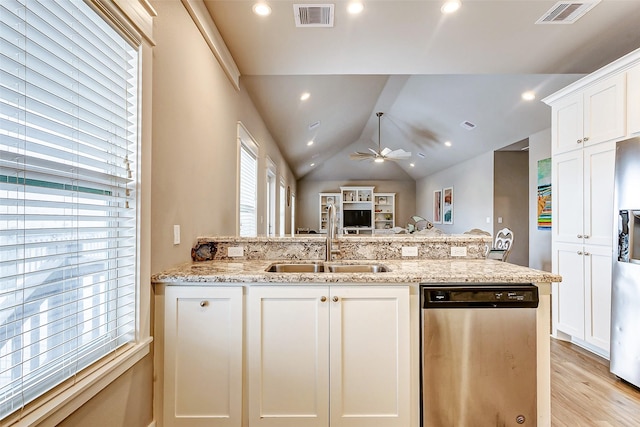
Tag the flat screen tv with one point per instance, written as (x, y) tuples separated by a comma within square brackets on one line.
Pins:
[(357, 218)]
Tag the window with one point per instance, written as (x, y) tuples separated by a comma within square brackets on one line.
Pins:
[(68, 203), (293, 214), (271, 198), (248, 183), (283, 205)]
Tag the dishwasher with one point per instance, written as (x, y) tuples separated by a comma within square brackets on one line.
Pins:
[(478, 355)]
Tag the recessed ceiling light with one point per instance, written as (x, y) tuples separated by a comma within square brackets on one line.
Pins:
[(450, 6), (261, 9), (529, 95), (310, 143), (355, 7), (412, 164), (312, 164), (447, 143), (305, 96)]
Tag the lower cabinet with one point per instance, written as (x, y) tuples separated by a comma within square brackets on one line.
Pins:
[(584, 296), (203, 356), (328, 356)]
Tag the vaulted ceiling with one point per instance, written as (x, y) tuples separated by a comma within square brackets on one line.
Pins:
[(428, 72)]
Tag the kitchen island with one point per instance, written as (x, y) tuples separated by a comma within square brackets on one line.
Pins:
[(259, 323)]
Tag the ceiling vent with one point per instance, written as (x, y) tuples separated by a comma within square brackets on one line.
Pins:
[(313, 15), (467, 125), (566, 12)]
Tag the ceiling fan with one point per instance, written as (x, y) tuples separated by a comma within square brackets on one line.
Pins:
[(380, 155)]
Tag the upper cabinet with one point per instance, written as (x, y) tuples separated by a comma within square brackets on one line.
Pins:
[(633, 101), (589, 117)]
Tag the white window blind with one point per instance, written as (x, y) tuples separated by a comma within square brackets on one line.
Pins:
[(68, 153), (248, 190)]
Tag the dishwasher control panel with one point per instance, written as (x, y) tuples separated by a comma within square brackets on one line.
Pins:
[(489, 296)]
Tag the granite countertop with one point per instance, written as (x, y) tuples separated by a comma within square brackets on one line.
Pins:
[(401, 271)]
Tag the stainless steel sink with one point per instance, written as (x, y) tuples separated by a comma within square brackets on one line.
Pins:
[(357, 268), (295, 268), (318, 267)]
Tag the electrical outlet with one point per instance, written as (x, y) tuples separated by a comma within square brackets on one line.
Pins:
[(409, 251), (458, 251), (235, 251), (176, 234)]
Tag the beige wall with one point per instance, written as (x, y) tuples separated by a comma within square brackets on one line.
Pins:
[(307, 198), (195, 151), (539, 240), (511, 201)]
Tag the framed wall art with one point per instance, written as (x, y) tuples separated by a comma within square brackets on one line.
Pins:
[(437, 207), (447, 205)]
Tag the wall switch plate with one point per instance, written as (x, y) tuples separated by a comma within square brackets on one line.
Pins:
[(458, 251), (499, 220), (235, 251), (409, 251), (176, 234), (488, 220)]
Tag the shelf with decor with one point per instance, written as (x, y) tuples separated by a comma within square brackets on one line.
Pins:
[(384, 208), (357, 210), (324, 200)]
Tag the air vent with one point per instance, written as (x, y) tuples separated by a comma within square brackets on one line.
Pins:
[(313, 15), (467, 125), (314, 125), (565, 12)]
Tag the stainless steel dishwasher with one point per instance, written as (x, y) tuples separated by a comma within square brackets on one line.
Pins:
[(478, 348)]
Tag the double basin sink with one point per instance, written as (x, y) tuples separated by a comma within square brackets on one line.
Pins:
[(328, 267)]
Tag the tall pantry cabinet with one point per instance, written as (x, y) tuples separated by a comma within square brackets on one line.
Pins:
[(588, 118)]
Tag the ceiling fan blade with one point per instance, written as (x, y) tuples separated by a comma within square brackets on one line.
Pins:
[(360, 156), (373, 151), (385, 152), (399, 154)]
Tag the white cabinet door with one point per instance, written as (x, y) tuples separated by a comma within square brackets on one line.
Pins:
[(370, 357), (288, 356), (604, 110), (567, 124), (570, 298), (633, 101), (599, 164), (598, 295), (203, 356), (567, 197)]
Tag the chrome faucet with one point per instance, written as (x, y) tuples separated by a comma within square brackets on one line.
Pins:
[(331, 231)]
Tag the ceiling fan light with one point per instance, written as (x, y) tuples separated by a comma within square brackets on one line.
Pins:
[(379, 160)]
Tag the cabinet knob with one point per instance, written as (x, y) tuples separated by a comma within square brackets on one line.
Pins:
[(579, 236), (335, 299), (579, 141), (587, 254), (586, 236), (204, 303), (323, 298), (579, 252), (585, 139)]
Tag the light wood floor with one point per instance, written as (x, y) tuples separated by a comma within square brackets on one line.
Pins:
[(585, 393)]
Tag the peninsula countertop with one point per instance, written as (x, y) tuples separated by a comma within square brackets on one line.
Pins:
[(401, 271)]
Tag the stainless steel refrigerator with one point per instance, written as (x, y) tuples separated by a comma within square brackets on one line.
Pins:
[(625, 297)]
